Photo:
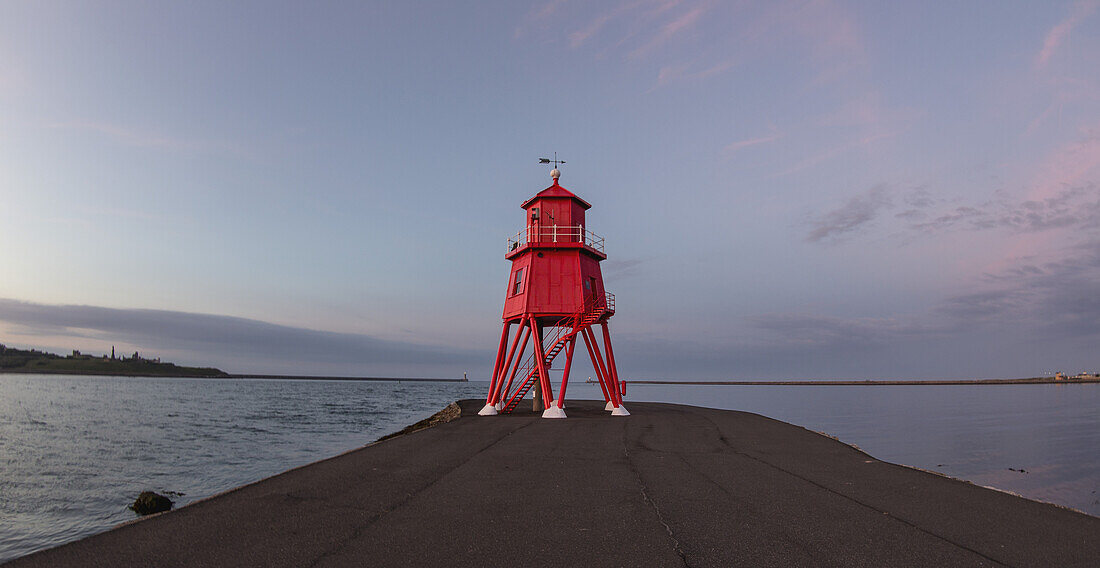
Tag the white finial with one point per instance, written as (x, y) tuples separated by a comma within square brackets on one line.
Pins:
[(554, 173)]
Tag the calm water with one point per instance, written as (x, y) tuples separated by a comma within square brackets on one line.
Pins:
[(74, 451), (1048, 434)]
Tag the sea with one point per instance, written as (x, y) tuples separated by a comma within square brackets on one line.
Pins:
[(76, 450)]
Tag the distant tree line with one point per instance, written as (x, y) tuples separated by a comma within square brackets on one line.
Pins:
[(11, 358), (35, 361)]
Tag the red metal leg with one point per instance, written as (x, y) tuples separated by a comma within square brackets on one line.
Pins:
[(565, 371), (611, 386), (500, 360), (540, 361), (597, 364), (595, 367), (506, 364), (502, 390), (611, 363)]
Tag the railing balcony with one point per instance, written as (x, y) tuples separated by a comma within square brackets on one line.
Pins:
[(598, 305), (556, 234)]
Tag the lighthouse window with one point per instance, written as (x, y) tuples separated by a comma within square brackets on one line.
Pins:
[(518, 286)]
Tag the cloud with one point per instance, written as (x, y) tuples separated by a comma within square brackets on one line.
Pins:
[(696, 39), (578, 37), (833, 152), (622, 21), (952, 218), (671, 29), (734, 147), (857, 212), (1063, 196), (829, 35), (1072, 207), (254, 344), (1059, 297), (621, 268), (980, 306), (538, 14), (668, 74), (1039, 313), (1060, 32), (1069, 164)]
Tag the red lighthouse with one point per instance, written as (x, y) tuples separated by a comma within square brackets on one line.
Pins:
[(555, 295)]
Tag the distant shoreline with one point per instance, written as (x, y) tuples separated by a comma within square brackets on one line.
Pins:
[(26, 371), (1029, 381), (869, 382), (327, 378), (225, 376)]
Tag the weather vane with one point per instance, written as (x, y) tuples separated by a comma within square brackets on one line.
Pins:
[(555, 161)]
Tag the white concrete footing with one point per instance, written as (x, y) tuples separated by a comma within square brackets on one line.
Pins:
[(620, 411), (609, 406), (553, 412), (489, 410)]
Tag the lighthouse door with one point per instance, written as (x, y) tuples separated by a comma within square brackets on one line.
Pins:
[(589, 292)]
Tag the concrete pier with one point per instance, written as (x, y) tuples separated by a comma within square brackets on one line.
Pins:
[(668, 486)]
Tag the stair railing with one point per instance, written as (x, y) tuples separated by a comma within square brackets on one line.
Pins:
[(563, 330)]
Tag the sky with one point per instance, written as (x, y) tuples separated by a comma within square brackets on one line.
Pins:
[(787, 189)]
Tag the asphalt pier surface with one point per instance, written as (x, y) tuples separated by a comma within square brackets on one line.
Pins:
[(668, 486)]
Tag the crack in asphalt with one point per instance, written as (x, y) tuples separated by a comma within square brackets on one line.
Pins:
[(911, 524), (653, 504)]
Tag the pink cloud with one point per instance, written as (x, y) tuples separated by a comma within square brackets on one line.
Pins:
[(550, 8), (1068, 165), (671, 73), (638, 30), (828, 28), (864, 110), (834, 151), (623, 11), (734, 147), (828, 24), (577, 38), (536, 15), (673, 28), (1060, 32)]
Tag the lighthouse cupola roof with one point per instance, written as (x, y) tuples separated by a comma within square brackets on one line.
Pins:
[(556, 190)]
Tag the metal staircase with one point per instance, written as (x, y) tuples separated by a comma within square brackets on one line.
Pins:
[(566, 329)]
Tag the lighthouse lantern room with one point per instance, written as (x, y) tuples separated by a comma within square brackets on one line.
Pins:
[(555, 295)]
